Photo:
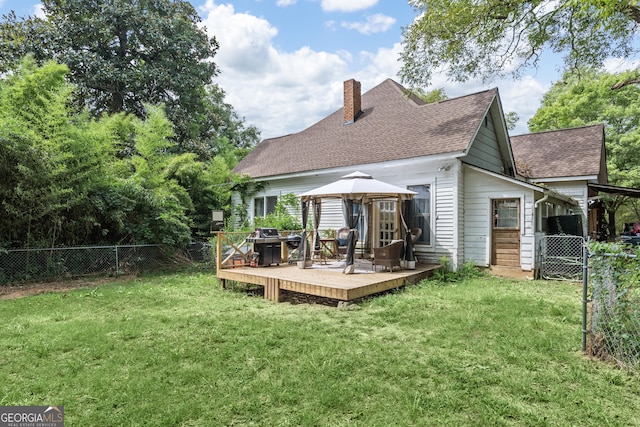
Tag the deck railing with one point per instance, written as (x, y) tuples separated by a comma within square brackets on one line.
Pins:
[(233, 250)]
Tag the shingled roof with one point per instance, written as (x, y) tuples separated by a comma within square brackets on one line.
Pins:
[(392, 126), (576, 152)]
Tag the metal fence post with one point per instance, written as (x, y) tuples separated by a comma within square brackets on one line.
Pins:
[(117, 261), (585, 282)]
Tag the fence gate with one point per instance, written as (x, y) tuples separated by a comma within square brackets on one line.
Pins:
[(561, 257)]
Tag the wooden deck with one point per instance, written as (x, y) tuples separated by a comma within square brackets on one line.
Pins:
[(325, 280)]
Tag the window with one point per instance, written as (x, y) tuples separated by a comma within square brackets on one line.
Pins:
[(260, 203), (421, 212), (505, 213), (258, 207), (271, 204)]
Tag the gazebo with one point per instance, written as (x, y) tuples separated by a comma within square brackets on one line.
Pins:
[(356, 187)]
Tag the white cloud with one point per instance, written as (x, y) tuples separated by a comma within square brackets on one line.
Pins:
[(284, 92), (330, 25), (618, 65), (278, 92), (245, 40), (284, 3), (379, 65), (38, 11), (346, 5), (524, 96), (377, 23)]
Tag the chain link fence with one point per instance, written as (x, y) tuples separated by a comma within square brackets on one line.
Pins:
[(561, 257), (32, 265), (613, 315)]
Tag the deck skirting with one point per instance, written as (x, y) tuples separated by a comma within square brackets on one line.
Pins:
[(324, 282)]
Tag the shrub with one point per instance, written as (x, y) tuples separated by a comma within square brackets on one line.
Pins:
[(285, 215), (447, 274)]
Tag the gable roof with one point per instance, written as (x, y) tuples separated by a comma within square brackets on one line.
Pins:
[(392, 126), (564, 153)]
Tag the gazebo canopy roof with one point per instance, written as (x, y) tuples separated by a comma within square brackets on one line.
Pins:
[(358, 186)]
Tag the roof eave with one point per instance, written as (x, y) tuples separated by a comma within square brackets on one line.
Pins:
[(588, 178), (406, 162)]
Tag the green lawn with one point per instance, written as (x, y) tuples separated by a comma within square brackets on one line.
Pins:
[(176, 350)]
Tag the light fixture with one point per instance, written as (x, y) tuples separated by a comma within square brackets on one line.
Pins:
[(444, 168)]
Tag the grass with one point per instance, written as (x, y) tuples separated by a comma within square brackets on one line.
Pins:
[(176, 350)]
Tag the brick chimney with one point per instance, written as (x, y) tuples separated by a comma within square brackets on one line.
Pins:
[(352, 98)]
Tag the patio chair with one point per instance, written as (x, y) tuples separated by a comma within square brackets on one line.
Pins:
[(388, 256), (341, 240)]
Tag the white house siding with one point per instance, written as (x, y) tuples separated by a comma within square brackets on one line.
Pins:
[(484, 151), (444, 210), (403, 173), (444, 217), (332, 217), (236, 201), (577, 190), (479, 190), (527, 236), (425, 172), (460, 220)]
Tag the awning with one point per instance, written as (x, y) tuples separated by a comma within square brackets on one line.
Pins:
[(612, 189)]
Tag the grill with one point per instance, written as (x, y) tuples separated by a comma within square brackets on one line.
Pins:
[(267, 246), (293, 241)]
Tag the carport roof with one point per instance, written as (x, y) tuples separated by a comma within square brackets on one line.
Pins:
[(612, 189)]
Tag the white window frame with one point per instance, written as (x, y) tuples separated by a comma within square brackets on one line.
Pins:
[(266, 208)]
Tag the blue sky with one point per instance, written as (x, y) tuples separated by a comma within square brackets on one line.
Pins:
[(282, 62)]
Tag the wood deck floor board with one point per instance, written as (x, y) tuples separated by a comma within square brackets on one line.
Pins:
[(325, 281)]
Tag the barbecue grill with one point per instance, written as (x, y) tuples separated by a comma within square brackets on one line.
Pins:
[(293, 242), (267, 243)]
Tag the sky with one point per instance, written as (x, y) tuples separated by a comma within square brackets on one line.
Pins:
[(282, 63)]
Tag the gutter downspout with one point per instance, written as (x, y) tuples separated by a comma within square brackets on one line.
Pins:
[(535, 209), (538, 256)]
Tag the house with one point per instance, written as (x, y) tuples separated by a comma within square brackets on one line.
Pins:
[(569, 161), (474, 204)]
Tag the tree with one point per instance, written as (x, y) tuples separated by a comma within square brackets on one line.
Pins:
[(49, 162), (587, 98), (125, 54), (233, 139), (511, 120), (163, 204), (67, 182), (20, 37), (488, 38), (435, 95)]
